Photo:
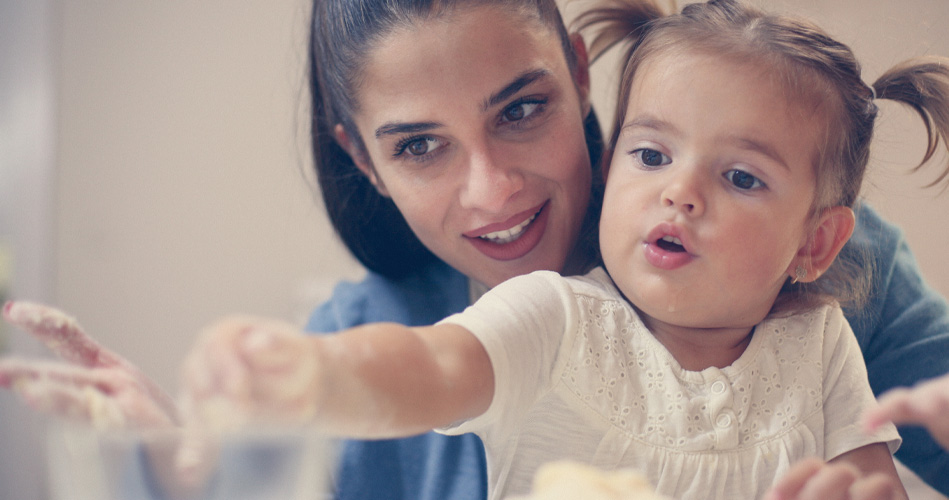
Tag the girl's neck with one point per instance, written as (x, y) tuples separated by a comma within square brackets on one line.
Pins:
[(696, 349)]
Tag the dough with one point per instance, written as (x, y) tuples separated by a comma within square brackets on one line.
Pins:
[(566, 480)]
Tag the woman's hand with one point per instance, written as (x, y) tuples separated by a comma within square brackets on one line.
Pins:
[(926, 404), (91, 384), (247, 369), (814, 479)]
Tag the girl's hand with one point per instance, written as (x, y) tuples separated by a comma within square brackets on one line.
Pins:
[(91, 384), (926, 404), (250, 369), (814, 479)]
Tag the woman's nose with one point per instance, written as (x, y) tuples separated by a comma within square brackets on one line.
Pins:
[(491, 182), (684, 191)]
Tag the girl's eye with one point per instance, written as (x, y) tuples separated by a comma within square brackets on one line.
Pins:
[(743, 180), (417, 146), (651, 157), (521, 109)]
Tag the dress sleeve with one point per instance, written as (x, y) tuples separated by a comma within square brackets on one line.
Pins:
[(903, 331), (847, 393), (521, 324)]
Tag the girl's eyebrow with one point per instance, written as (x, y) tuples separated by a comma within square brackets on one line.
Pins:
[(523, 80), (748, 144), (760, 147), (649, 122)]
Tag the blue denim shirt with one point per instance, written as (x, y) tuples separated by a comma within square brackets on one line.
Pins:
[(903, 331)]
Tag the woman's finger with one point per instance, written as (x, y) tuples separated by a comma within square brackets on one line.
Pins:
[(874, 487), (84, 403), (14, 370), (60, 333), (925, 404), (793, 481), (831, 482)]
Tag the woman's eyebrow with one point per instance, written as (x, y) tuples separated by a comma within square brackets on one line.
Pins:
[(523, 80), (395, 128), (512, 88)]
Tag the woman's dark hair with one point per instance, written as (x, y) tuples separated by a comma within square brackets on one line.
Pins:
[(814, 69), (342, 33)]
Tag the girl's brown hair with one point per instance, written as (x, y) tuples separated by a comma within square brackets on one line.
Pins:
[(815, 69)]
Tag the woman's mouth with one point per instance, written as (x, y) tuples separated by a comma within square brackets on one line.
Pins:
[(509, 235), (516, 239)]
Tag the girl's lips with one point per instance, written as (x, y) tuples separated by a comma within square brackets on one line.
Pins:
[(523, 242), (664, 259), (666, 247)]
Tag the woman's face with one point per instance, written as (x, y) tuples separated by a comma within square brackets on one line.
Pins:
[(473, 125)]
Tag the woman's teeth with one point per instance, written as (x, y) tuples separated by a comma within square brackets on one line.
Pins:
[(508, 235), (672, 239)]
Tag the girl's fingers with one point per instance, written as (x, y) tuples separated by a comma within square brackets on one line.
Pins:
[(249, 369)]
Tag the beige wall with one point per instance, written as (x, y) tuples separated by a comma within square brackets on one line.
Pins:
[(182, 138)]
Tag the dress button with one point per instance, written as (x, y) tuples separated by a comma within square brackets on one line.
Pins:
[(723, 421), (718, 387)]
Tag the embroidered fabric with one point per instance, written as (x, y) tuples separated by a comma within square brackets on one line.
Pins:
[(578, 376)]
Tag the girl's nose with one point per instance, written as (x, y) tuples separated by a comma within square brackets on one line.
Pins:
[(684, 191), (491, 182)]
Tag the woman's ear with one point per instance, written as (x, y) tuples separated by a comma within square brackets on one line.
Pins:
[(581, 74), (832, 231), (359, 158)]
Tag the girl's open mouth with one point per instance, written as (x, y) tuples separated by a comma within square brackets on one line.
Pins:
[(670, 244)]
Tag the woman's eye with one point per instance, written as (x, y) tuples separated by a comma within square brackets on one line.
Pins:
[(743, 180), (520, 110), (417, 146), (651, 157)]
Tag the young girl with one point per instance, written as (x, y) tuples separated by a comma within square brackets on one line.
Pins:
[(709, 351), (428, 467)]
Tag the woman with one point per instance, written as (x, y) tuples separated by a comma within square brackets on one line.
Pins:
[(449, 138), (904, 320)]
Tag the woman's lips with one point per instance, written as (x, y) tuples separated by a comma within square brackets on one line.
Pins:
[(512, 238)]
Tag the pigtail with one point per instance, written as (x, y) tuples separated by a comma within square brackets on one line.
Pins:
[(618, 21), (923, 84)]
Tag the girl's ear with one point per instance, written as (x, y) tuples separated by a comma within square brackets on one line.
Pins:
[(832, 231), (581, 75), (359, 158)]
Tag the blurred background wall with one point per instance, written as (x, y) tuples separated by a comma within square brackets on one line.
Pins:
[(155, 170)]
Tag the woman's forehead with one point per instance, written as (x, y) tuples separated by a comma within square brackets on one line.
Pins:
[(467, 55)]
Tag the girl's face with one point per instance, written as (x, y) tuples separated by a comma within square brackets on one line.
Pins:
[(708, 192), (473, 125)]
